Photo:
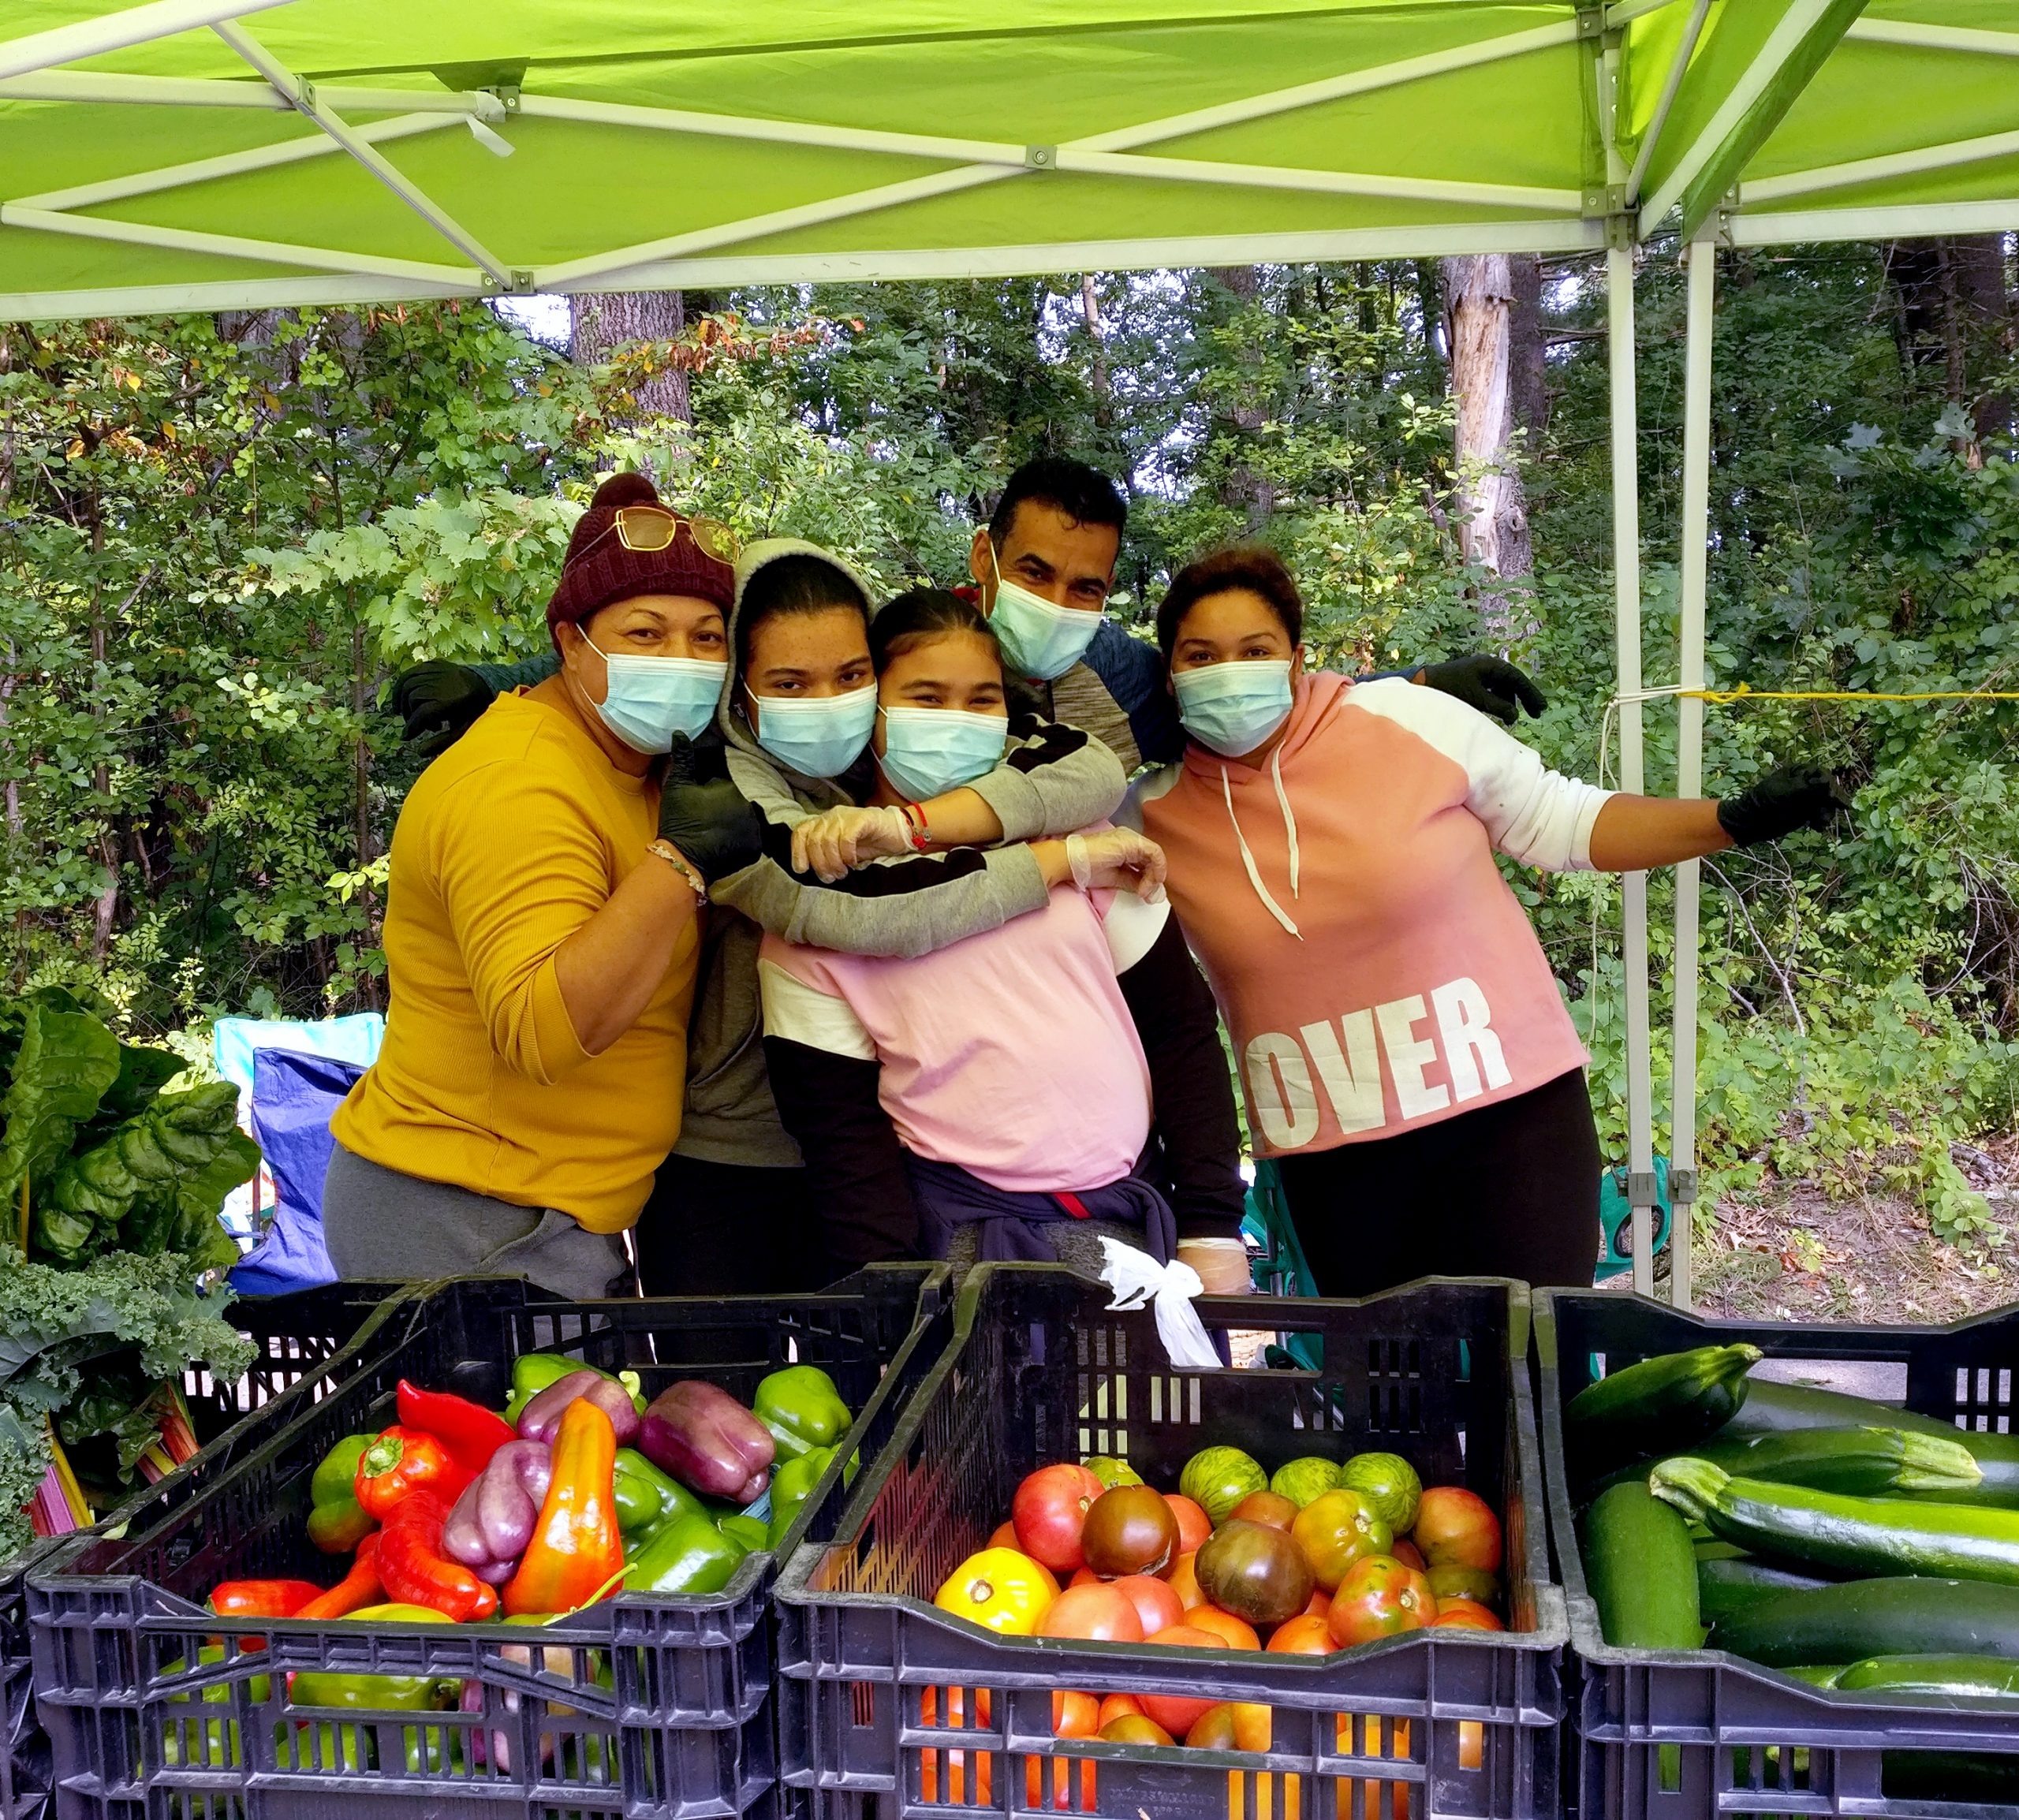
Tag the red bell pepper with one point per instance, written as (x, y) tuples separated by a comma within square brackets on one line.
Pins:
[(402, 1462), (471, 1434), (360, 1587), (414, 1571), (576, 1554), (262, 1598)]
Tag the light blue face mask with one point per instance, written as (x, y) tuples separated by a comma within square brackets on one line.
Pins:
[(1233, 707), (651, 701), (816, 735), (927, 751), (1039, 639)]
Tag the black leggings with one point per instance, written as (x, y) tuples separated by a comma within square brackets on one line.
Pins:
[(720, 1229), (1509, 1190)]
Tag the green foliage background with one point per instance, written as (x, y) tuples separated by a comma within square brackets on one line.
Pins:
[(218, 539)]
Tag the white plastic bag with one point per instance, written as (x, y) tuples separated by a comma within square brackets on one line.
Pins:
[(1136, 1277)]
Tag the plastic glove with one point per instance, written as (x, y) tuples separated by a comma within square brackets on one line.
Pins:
[(1117, 860), (705, 815), (1136, 1277), (439, 702), (831, 843), (1491, 684), (1794, 797), (1221, 1265)]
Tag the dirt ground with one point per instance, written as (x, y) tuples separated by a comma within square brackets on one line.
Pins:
[(1803, 1256)]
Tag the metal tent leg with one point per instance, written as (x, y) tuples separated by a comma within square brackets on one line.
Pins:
[(1689, 746), (1626, 572)]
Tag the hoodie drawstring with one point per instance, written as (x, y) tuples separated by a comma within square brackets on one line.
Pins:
[(1247, 857), (1290, 817)]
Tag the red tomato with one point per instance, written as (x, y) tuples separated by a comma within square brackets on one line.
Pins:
[(1098, 1612), (1004, 1537), (1408, 1554), (1182, 1577), (1321, 1603), (1175, 1714), (1244, 1726), (1156, 1604), (1075, 1715), (1379, 1597), (1115, 1705), (1456, 1527), (1307, 1635), (1084, 1576), (1193, 1524), (1229, 1629), (968, 1776), (1465, 1615), (1267, 1507), (1134, 1728), (1050, 1510)]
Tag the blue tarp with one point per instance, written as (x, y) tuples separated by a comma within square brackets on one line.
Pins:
[(294, 1096)]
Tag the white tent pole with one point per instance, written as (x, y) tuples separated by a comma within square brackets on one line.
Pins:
[(1690, 748), (1871, 169), (1935, 37), (116, 31), (1626, 581), (1671, 86)]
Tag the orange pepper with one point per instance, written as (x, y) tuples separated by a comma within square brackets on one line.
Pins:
[(576, 1552)]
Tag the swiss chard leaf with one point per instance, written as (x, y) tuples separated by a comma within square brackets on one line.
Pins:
[(66, 1061), (159, 1179), (143, 1073)]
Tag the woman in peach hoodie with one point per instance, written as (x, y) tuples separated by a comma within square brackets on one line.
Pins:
[(1406, 1055)]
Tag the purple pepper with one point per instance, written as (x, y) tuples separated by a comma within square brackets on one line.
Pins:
[(707, 1440), (541, 1417), (494, 1519)]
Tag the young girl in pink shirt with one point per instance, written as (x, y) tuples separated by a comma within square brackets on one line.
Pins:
[(1405, 1052)]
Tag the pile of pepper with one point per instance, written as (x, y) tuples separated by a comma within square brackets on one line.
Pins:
[(579, 1490)]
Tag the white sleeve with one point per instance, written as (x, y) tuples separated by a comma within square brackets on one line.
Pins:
[(802, 1013), (1132, 927), (1535, 815)]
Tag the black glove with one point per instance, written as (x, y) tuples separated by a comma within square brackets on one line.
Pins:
[(1491, 684), (1794, 797), (439, 702), (705, 815)]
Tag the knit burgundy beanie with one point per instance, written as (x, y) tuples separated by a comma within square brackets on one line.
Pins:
[(598, 569)]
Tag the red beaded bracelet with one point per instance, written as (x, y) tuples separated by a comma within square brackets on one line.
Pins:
[(915, 816)]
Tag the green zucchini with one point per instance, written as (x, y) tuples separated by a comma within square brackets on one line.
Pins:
[(1817, 1675), (1858, 1462), (1776, 1409), (1974, 1677), (1893, 1616), (1642, 1571), (1658, 1404), (1948, 1776), (1725, 1587), (1852, 1535)]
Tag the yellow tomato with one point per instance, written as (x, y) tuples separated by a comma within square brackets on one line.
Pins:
[(1001, 1590)]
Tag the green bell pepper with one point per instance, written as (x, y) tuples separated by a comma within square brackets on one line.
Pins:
[(745, 1529), (802, 1406), (386, 1693), (646, 1497), (337, 1522), (531, 1373), (687, 1555), (791, 1485)]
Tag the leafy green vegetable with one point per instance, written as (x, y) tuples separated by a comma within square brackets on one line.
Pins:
[(143, 1073), (66, 1061), (159, 1180)]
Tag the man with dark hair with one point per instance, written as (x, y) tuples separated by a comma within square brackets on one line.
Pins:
[(1043, 567)]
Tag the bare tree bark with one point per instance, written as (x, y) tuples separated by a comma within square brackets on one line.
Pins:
[(1528, 367), (1491, 510), (1089, 312), (1954, 311), (600, 322)]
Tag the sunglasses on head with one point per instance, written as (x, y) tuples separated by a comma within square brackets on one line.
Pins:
[(653, 527)]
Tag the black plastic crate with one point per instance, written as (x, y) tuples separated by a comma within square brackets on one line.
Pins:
[(892, 1708), (640, 1705), (314, 1335), (1689, 1734)]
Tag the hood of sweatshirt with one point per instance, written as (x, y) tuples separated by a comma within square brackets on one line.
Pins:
[(1261, 789), (760, 777)]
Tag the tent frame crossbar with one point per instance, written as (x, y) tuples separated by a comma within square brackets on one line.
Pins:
[(120, 31), (1876, 169)]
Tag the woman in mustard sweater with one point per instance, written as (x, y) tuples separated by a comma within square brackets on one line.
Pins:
[(541, 939)]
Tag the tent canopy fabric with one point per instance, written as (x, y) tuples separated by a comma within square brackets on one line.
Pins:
[(191, 154)]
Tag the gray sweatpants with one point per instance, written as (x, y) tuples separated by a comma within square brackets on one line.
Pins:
[(381, 1224)]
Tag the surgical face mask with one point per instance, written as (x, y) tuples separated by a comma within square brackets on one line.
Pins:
[(1233, 707), (927, 751), (649, 701), (1039, 639), (816, 735)]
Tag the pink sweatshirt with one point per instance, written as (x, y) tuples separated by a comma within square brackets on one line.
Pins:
[(1373, 969), (1011, 1053)]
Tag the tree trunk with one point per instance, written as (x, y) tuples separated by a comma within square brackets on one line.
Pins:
[(600, 322), (1243, 488), (1953, 315), (1491, 510), (1527, 370), (1089, 312)]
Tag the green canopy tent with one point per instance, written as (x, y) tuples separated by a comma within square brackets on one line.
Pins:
[(205, 155)]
